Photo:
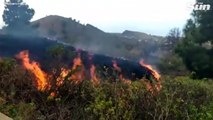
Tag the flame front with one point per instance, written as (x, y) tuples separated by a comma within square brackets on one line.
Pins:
[(34, 67), (93, 75), (78, 73), (79, 70), (115, 65), (155, 74), (126, 81), (62, 76)]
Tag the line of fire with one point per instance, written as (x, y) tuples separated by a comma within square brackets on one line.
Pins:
[(31, 54)]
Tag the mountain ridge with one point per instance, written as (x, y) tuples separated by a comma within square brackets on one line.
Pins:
[(128, 44)]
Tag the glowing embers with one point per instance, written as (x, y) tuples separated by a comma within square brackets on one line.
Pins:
[(34, 67)]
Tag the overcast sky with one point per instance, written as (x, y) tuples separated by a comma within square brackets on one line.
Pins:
[(150, 16)]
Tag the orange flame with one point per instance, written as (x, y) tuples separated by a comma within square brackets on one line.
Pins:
[(34, 67), (63, 74), (93, 75), (78, 72), (149, 67), (78, 75), (155, 74), (53, 94), (115, 65), (125, 80)]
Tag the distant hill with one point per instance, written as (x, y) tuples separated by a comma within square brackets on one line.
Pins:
[(57, 27), (141, 36), (129, 44)]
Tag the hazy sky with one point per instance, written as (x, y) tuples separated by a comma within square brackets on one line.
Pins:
[(150, 16)]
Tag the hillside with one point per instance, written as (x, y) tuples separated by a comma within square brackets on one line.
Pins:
[(129, 44), (141, 36)]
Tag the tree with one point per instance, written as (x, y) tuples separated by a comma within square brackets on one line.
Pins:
[(173, 35), (17, 14), (197, 33), (173, 38)]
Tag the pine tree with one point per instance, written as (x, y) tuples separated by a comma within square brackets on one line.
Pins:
[(196, 48), (17, 14)]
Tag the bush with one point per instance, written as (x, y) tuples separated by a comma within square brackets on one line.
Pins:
[(180, 98)]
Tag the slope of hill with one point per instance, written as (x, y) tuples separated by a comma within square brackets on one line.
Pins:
[(128, 44), (141, 36), (64, 28)]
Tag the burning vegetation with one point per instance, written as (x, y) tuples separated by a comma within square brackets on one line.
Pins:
[(98, 98), (34, 67), (76, 69), (77, 73)]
